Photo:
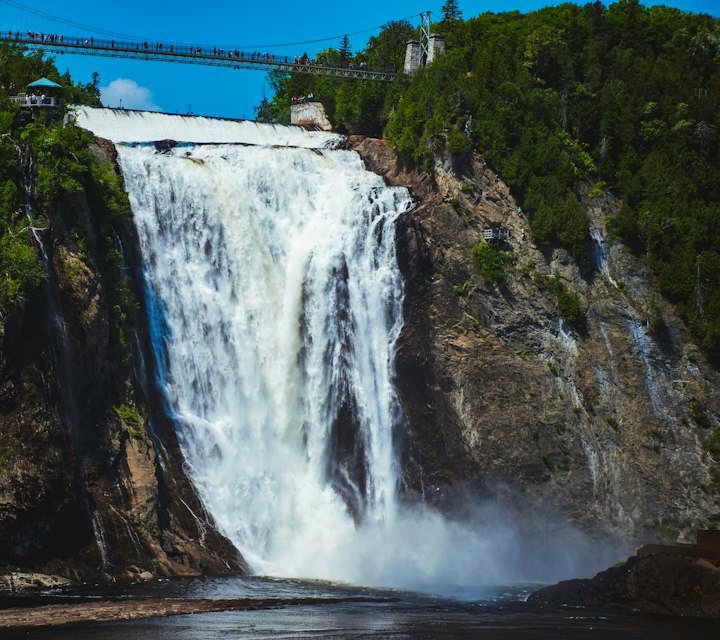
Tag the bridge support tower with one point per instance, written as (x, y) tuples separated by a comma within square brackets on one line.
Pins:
[(427, 49)]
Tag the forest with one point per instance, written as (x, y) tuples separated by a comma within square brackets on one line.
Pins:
[(46, 166), (565, 101)]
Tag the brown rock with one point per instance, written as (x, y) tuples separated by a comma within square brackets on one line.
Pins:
[(654, 584), (499, 390)]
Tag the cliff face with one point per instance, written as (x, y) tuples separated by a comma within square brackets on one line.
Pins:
[(91, 476), (606, 422)]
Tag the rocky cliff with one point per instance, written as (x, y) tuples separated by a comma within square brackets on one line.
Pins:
[(91, 476), (606, 422)]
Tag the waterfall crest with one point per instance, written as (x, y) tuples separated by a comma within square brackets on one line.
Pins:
[(120, 125)]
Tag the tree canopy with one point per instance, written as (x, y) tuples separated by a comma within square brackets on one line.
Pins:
[(451, 11), (623, 96), (62, 168)]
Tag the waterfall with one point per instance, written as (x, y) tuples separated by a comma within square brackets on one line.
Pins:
[(275, 305), (274, 302)]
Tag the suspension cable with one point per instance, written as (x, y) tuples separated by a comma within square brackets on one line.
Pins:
[(87, 28)]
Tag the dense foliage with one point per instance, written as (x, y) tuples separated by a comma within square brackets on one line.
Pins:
[(623, 95), (360, 105), (489, 261), (46, 166)]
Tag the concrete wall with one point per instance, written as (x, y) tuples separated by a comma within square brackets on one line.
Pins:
[(413, 57), (310, 115), (436, 47)]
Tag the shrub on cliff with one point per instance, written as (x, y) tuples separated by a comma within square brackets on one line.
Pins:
[(568, 304), (20, 268), (489, 262)]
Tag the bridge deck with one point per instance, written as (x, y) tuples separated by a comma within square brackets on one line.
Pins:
[(163, 52)]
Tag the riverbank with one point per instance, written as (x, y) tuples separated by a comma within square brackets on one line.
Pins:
[(55, 615), (658, 583)]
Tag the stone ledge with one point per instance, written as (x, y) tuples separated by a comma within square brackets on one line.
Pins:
[(310, 115)]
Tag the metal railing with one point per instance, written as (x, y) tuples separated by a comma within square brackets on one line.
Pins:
[(164, 52), (25, 100)]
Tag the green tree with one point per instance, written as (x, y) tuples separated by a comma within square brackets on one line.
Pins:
[(626, 95), (345, 50), (451, 11)]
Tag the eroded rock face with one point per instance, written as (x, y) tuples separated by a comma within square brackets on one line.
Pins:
[(606, 423), (310, 115), (91, 476), (652, 584)]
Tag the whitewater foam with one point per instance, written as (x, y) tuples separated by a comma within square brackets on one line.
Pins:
[(121, 125), (275, 302)]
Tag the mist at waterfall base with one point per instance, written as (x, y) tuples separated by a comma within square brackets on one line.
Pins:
[(275, 302)]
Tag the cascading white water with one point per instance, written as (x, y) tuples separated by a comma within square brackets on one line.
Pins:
[(277, 306), (120, 125), (275, 302)]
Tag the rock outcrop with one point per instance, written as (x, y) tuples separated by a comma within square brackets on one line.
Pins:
[(91, 475), (659, 583), (679, 579), (309, 114), (605, 422)]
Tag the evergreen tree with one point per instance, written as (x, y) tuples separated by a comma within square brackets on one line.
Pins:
[(345, 50), (263, 112), (451, 11)]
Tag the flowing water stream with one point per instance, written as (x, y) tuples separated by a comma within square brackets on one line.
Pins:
[(275, 302)]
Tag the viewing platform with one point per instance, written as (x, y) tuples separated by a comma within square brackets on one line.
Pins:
[(41, 94), (496, 233), (41, 102)]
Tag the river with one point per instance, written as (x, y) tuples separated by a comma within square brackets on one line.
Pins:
[(497, 613)]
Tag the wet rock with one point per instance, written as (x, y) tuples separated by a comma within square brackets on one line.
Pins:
[(499, 390), (165, 146), (658, 583), (21, 581)]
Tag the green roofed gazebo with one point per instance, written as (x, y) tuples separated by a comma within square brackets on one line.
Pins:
[(44, 83), (44, 93)]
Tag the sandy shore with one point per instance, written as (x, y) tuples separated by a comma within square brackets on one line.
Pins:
[(112, 611)]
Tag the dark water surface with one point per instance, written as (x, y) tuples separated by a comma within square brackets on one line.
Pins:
[(475, 615)]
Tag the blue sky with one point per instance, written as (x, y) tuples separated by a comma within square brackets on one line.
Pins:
[(249, 25)]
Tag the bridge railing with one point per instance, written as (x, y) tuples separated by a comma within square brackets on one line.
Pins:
[(202, 54)]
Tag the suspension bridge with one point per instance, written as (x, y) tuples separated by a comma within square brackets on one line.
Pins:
[(189, 54), (53, 40)]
